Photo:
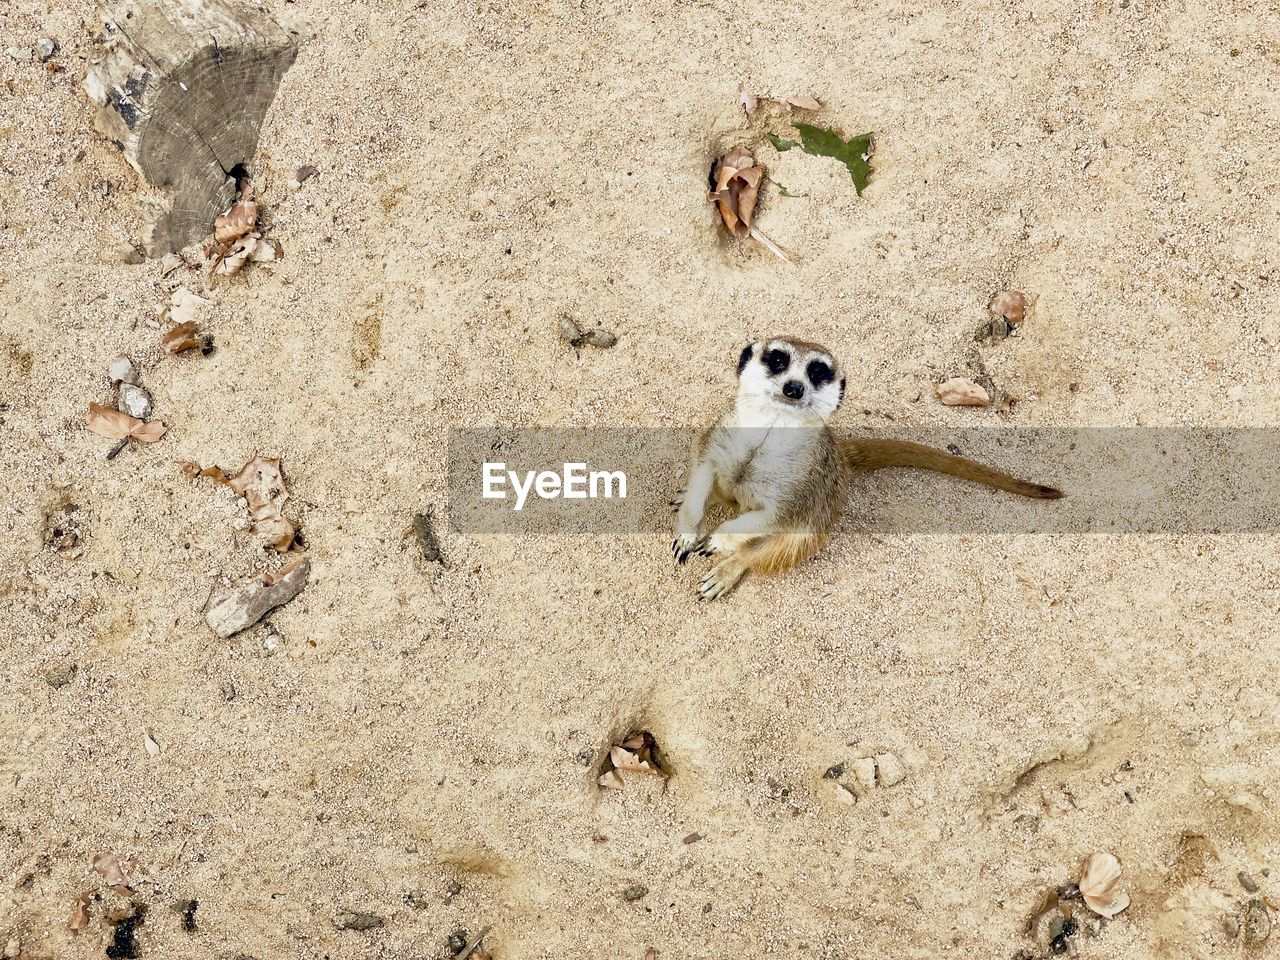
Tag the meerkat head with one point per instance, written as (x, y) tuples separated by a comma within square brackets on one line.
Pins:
[(792, 374)]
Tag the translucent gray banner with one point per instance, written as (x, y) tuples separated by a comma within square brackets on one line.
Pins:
[(1114, 480)]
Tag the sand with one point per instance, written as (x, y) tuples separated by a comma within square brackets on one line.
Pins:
[(401, 727)]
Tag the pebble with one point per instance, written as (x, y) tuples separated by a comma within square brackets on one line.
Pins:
[(1247, 881), (890, 770), (46, 47), (864, 769), (457, 942), (356, 920), (21, 54), (602, 339), (13, 948), (122, 370), (834, 772), (134, 401), (570, 331), (244, 605), (452, 891), (635, 892), (59, 677), (127, 254), (1256, 924), (845, 795)]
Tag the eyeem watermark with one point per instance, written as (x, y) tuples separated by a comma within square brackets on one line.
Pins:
[(575, 481)]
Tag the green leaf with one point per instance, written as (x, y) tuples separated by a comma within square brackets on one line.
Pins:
[(779, 144), (853, 153), (787, 193)]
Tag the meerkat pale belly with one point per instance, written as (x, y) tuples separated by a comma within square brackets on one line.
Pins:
[(773, 459)]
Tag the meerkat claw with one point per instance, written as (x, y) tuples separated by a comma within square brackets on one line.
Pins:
[(683, 545)]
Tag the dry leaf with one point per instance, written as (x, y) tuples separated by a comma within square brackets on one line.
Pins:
[(737, 180), (153, 748), (611, 780), (267, 250), (181, 337), (112, 870), (237, 220), (624, 759), (959, 392), (746, 99), (651, 954), (234, 259), (1099, 885), (115, 425), (261, 482), (183, 305), (1010, 304), (804, 103), (79, 914)]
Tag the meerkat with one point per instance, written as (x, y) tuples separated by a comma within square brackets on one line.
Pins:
[(773, 460)]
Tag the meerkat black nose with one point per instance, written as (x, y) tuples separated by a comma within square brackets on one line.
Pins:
[(793, 389)]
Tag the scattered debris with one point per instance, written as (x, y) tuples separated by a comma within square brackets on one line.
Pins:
[(114, 871), (79, 914), (960, 392), (637, 753), (237, 239), (250, 601), (171, 262), (1255, 923), (134, 401), (305, 173), (637, 891), (62, 532), (124, 944), (693, 838), (803, 102), (452, 890), (153, 748), (1099, 879), (457, 942), (736, 179), (261, 482), (357, 920), (746, 99), (1052, 925), (1246, 880), (184, 304), (426, 535), (864, 770), (883, 769), (854, 153), (122, 371), (575, 336), (1010, 305), (46, 47), (834, 772), (473, 946), (115, 425)]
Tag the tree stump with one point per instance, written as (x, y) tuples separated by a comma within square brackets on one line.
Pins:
[(182, 86)]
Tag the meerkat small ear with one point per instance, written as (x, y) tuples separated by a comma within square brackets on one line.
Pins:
[(745, 357)]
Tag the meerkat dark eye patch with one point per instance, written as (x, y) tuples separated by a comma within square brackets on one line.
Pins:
[(776, 361), (745, 357), (819, 373)]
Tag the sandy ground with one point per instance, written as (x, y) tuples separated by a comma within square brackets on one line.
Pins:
[(400, 728)]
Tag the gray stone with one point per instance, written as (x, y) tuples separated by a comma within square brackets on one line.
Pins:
[(134, 401), (357, 920), (1256, 923), (46, 47), (1247, 881), (59, 677), (247, 603), (635, 892), (122, 370), (600, 338)]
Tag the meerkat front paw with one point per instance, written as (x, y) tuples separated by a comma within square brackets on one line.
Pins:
[(685, 544), (677, 501), (720, 579)]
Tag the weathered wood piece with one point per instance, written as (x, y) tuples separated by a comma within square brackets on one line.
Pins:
[(182, 86)]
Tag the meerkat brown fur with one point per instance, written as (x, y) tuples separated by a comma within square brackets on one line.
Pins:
[(773, 460)]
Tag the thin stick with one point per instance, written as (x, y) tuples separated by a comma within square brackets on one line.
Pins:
[(474, 943), (769, 245), (114, 451)]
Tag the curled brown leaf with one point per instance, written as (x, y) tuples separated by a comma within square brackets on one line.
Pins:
[(737, 187), (79, 914), (803, 102), (181, 336), (115, 425), (113, 870), (261, 482), (237, 220)]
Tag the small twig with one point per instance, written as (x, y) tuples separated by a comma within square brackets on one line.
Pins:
[(475, 942), (769, 245), (115, 451)]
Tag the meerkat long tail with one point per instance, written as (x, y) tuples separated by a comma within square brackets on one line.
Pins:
[(861, 454)]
